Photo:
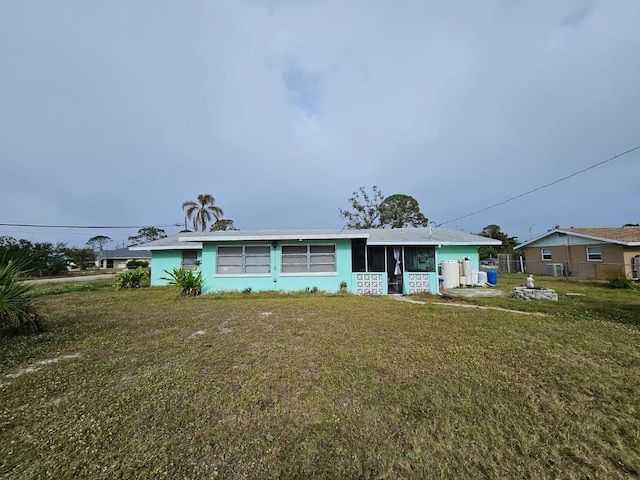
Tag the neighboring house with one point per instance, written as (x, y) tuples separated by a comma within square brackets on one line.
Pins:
[(373, 261), (599, 253), (118, 258)]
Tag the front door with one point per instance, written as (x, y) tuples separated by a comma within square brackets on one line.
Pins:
[(394, 270)]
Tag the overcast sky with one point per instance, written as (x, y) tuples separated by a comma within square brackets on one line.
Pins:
[(114, 113)]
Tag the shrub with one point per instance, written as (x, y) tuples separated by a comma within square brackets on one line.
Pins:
[(133, 264), (131, 278), (188, 281), (17, 309), (619, 283)]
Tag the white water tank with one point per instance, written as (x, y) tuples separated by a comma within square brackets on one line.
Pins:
[(482, 278), (450, 273)]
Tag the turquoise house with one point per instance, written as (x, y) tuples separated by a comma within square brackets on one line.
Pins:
[(375, 261)]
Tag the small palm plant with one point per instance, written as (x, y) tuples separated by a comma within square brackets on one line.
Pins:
[(188, 281), (131, 278), (17, 309)]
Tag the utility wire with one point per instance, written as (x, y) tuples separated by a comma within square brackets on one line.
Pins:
[(83, 226), (540, 187)]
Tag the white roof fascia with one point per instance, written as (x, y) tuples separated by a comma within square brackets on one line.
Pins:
[(175, 246), (435, 243), (273, 237)]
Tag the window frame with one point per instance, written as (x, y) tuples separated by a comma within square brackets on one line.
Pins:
[(309, 257), (189, 266), (244, 263), (543, 254), (590, 256)]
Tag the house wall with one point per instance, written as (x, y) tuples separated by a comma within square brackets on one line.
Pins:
[(276, 280), (167, 260), (616, 259), (164, 260), (459, 252)]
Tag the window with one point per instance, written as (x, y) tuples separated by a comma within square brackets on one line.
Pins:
[(308, 259), (420, 259), (546, 253), (244, 260), (189, 259), (594, 254)]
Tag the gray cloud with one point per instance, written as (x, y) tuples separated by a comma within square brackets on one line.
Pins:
[(116, 113)]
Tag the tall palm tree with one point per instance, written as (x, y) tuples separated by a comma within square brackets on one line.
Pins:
[(202, 211)]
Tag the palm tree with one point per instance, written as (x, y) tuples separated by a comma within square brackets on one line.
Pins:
[(202, 211)]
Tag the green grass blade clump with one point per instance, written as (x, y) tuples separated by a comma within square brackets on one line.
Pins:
[(16, 301), (131, 278), (188, 281)]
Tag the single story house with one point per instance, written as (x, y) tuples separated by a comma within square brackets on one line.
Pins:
[(118, 258), (375, 261), (598, 253)]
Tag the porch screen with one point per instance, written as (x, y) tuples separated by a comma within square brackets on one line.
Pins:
[(244, 260), (420, 259), (308, 258)]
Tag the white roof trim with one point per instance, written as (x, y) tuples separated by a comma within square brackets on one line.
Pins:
[(177, 246), (271, 237)]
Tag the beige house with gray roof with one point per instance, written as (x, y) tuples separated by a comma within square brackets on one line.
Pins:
[(598, 253)]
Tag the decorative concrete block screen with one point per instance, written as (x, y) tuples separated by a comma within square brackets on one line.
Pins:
[(369, 284), (418, 282)]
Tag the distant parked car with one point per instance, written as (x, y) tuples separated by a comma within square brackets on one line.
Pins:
[(489, 262)]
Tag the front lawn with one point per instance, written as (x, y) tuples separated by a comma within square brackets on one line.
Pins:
[(144, 384)]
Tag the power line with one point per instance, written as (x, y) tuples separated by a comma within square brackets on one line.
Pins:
[(31, 225), (541, 187)]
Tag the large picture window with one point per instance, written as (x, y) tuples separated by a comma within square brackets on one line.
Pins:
[(309, 259), (594, 254), (244, 260)]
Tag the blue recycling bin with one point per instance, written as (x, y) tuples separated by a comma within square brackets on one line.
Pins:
[(492, 277)]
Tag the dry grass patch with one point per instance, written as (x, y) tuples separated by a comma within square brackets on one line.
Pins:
[(279, 386)]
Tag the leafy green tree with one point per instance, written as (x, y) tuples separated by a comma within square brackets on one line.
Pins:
[(98, 242), (223, 224), (364, 209), (39, 258), (495, 232), (202, 211), (399, 211), (375, 211), (147, 234), (83, 258)]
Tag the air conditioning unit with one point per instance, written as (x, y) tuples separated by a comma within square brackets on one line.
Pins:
[(555, 269)]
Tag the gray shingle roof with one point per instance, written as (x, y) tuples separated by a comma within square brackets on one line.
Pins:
[(124, 253), (168, 243), (629, 236)]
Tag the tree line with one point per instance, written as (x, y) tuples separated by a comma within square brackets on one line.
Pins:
[(365, 210)]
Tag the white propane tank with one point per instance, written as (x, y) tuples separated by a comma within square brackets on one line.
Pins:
[(450, 273)]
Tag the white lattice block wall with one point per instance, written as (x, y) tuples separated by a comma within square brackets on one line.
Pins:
[(369, 284), (419, 282)]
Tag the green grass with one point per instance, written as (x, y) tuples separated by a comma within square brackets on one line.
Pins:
[(596, 300), (144, 384)]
